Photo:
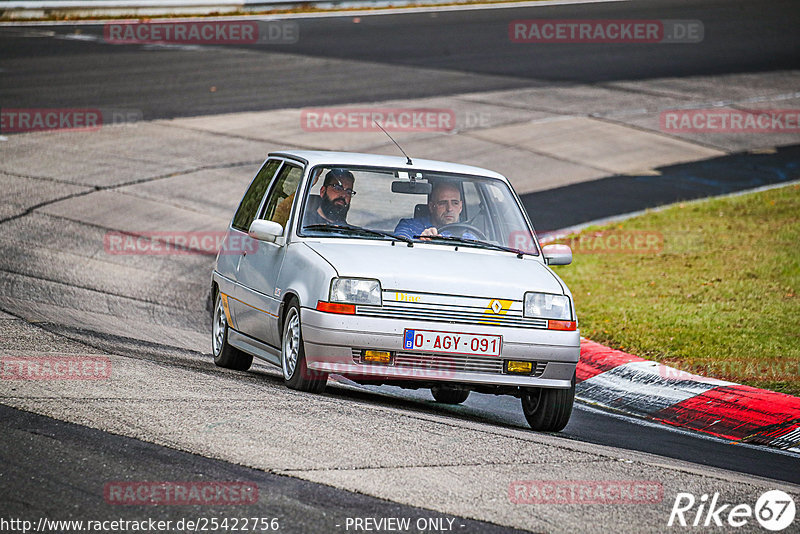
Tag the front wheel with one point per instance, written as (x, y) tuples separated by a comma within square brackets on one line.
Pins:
[(225, 355), (449, 394), (548, 410), (296, 374)]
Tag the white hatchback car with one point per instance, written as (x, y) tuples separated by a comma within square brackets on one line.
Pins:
[(418, 274)]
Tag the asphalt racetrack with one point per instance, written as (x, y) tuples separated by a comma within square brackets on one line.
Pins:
[(168, 414), (337, 60)]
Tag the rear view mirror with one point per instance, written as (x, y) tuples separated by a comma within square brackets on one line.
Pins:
[(557, 254), (411, 188), (265, 230)]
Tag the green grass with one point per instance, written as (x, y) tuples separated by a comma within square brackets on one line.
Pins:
[(720, 298)]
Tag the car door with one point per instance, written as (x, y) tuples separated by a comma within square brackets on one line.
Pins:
[(260, 264), (237, 242)]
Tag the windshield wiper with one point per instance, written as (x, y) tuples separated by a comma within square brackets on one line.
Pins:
[(357, 230), (475, 242)]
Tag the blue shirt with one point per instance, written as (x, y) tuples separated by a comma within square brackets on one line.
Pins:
[(411, 227)]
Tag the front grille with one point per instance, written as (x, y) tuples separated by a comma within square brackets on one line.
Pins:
[(451, 362), (450, 314)]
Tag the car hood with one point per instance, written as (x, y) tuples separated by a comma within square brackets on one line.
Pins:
[(439, 268)]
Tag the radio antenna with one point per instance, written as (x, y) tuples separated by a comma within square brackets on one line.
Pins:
[(409, 162)]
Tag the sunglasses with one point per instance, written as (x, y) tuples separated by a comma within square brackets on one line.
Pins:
[(340, 188)]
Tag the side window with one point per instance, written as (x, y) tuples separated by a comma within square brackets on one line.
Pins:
[(279, 203), (252, 199)]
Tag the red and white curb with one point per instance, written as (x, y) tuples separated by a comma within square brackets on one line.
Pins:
[(644, 388)]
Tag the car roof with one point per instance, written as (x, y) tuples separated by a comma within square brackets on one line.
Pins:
[(327, 158)]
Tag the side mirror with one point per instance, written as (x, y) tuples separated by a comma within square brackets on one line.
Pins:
[(265, 230), (557, 254)]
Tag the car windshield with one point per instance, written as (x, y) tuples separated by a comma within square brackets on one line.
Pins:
[(439, 208)]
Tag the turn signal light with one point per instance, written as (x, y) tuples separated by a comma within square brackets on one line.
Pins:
[(519, 367), (335, 307), (562, 325)]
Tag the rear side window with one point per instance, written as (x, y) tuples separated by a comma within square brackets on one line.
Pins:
[(279, 202), (252, 199)]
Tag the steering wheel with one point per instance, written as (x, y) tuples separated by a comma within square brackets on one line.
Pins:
[(459, 229)]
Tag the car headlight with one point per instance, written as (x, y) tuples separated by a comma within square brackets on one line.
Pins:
[(356, 291), (547, 306)]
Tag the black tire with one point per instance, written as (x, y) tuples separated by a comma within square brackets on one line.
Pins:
[(449, 394), (225, 355), (296, 375), (546, 409)]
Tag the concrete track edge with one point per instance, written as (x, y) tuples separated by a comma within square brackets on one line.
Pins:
[(625, 383)]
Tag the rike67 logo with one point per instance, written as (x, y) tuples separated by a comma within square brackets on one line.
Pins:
[(774, 510)]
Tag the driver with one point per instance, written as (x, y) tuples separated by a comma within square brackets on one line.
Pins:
[(444, 206)]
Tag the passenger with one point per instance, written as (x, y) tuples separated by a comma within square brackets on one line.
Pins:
[(444, 207), (334, 198)]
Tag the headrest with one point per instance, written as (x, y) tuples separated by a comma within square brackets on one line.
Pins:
[(313, 203)]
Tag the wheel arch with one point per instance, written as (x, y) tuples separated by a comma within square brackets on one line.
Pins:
[(212, 297), (287, 298)]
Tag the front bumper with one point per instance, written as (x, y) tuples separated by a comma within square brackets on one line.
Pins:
[(333, 342)]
